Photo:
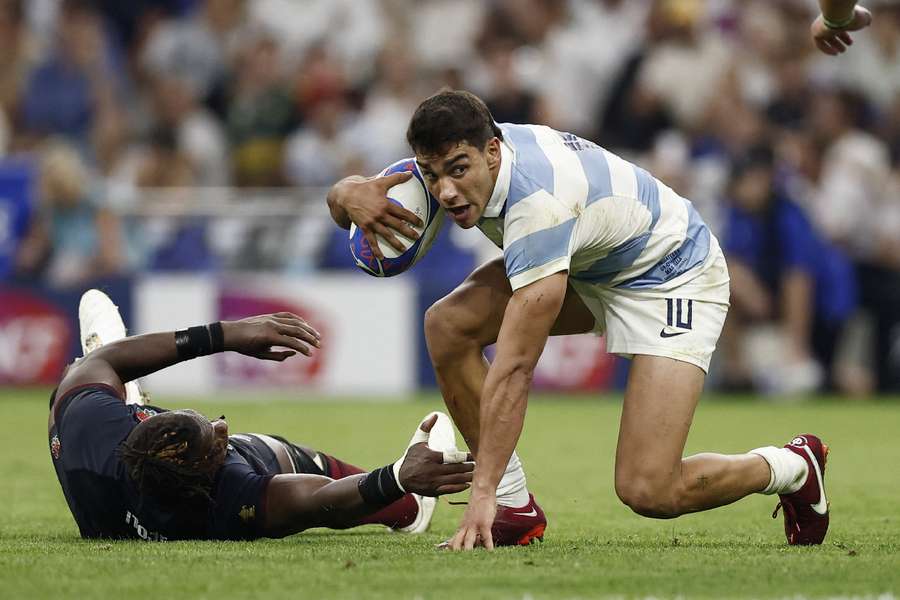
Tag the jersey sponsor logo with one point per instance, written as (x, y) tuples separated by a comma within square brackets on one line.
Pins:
[(248, 513), (142, 532), (679, 316), (55, 447)]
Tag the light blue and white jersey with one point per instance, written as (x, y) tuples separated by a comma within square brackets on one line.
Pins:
[(564, 203)]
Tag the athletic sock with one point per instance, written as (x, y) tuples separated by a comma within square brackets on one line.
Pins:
[(787, 470), (511, 491), (396, 515), (337, 469)]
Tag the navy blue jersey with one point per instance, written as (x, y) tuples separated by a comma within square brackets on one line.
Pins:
[(91, 421)]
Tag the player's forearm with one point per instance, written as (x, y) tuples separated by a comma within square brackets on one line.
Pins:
[(299, 502), (837, 11), (334, 199), (503, 404), (137, 356)]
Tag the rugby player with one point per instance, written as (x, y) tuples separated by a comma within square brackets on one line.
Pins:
[(590, 243), (133, 471), (830, 30)]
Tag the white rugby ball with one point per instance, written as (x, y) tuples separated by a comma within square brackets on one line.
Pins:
[(413, 196)]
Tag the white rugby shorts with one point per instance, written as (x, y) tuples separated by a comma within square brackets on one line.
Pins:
[(683, 320)]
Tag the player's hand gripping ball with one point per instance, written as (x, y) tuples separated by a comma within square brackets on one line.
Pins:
[(413, 196)]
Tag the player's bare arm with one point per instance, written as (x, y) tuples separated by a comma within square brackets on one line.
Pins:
[(363, 201), (134, 357), (831, 27), (298, 502), (527, 322)]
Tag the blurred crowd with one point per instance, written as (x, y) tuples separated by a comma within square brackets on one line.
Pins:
[(792, 156)]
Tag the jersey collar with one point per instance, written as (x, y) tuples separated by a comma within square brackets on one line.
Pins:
[(501, 186)]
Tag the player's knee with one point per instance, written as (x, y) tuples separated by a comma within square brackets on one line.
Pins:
[(444, 330), (647, 497)]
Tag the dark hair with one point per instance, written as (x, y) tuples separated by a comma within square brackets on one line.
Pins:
[(449, 118), (165, 459)]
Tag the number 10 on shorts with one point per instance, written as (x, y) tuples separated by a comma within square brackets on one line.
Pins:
[(679, 312)]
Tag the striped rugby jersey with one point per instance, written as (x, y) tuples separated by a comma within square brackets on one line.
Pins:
[(561, 202)]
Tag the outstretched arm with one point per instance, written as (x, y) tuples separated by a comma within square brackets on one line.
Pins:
[(529, 317), (830, 29), (298, 502), (137, 356)]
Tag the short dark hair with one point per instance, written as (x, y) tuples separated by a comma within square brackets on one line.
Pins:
[(448, 118), (164, 459)]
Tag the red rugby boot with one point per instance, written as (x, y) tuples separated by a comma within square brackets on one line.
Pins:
[(519, 526), (806, 510)]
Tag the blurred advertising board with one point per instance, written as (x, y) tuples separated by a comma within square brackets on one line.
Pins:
[(39, 329), (368, 332)]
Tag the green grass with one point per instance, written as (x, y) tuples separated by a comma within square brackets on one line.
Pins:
[(595, 547)]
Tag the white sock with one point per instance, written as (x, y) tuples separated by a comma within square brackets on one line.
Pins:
[(511, 491), (788, 470)]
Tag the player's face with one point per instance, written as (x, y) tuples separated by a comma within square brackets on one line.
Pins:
[(462, 179)]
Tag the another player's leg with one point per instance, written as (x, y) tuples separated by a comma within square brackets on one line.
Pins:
[(655, 481), (457, 329), (100, 324)]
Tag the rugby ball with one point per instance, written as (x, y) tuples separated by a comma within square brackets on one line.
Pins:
[(413, 196)]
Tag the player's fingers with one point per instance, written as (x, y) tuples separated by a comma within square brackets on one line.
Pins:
[(471, 537), (454, 479), (389, 237), (294, 320), (487, 539), (451, 488), (288, 315), (456, 541), (448, 468), (276, 355), (389, 181), (428, 423), (845, 37), (299, 333), (863, 18), (373, 243), (405, 214), (400, 227), (455, 456), (823, 47), (294, 344)]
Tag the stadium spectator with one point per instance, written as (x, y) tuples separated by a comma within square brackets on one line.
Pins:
[(199, 135), (78, 81), (260, 114), (199, 49), (854, 208), (782, 273), (268, 92), (74, 238)]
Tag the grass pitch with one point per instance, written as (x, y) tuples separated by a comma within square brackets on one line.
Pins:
[(595, 547)]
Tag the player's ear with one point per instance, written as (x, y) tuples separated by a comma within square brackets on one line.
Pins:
[(492, 152)]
